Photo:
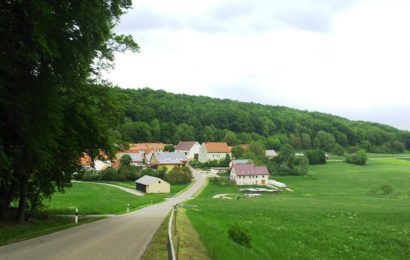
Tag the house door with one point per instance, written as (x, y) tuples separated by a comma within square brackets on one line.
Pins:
[(263, 182)]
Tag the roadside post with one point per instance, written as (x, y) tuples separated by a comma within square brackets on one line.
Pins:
[(76, 216), (128, 207)]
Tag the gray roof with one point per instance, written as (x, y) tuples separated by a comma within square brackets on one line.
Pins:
[(148, 180), (185, 146), (241, 161), (171, 157), (270, 153), (135, 157)]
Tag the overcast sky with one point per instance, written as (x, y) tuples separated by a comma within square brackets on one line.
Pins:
[(349, 58)]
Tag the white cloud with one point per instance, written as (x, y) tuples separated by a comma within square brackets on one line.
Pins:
[(351, 59)]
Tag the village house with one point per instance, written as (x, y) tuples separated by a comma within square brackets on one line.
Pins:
[(213, 151), (249, 174), (150, 184), (190, 149), (168, 160)]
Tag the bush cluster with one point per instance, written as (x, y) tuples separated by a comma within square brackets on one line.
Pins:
[(358, 158), (213, 163), (316, 156), (179, 175)]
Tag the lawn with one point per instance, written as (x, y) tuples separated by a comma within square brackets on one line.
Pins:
[(97, 199), (331, 215)]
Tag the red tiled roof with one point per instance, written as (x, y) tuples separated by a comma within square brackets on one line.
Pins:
[(212, 147), (250, 169), (185, 146)]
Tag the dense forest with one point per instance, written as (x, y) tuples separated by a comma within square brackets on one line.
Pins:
[(161, 116)]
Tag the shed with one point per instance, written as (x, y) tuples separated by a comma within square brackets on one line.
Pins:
[(150, 184)]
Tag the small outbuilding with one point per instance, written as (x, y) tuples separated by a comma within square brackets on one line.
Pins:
[(150, 184)]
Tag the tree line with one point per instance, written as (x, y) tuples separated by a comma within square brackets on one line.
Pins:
[(161, 116)]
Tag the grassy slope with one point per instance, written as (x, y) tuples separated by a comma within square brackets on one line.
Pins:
[(97, 199), (330, 215)]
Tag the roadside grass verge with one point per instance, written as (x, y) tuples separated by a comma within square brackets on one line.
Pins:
[(189, 243), (158, 248), (12, 232), (331, 215)]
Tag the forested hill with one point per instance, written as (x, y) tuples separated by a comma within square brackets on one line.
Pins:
[(161, 116)]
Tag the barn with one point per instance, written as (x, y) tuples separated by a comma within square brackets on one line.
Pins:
[(150, 184)]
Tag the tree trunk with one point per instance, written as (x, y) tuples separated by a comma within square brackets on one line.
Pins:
[(21, 211)]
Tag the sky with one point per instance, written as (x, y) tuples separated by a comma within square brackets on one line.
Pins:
[(345, 57)]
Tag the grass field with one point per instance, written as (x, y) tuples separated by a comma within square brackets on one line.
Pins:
[(97, 199), (331, 215)]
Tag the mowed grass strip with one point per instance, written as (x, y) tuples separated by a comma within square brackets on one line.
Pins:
[(97, 199), (12, 232), (330, 215)]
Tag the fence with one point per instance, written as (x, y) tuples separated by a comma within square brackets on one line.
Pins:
[(171, 248)]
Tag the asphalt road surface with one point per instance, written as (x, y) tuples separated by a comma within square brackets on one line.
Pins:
[(120, 237)]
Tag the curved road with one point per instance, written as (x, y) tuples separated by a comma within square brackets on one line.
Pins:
[(120, 237)]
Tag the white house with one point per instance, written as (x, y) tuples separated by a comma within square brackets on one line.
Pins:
[(190, 149), (213, 151), (249, 174)]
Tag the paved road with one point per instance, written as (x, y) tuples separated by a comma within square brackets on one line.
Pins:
[(121, 237)]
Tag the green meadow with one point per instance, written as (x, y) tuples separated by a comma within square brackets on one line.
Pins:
[(338, 211)]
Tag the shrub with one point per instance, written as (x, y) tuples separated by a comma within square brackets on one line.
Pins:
[(108, 174), (91, 176), (358, 158), (179, 175), (301, 166), (316, 156), (339, 150), (240, 235)]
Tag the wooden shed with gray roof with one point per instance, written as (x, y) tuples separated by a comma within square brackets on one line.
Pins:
[(150, 184)]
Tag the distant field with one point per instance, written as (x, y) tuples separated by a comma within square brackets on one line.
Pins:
[(331, 215)]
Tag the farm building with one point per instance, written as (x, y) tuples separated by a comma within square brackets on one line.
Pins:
[(213, 151), (190, 149), (150, 184), (167, 160), (249, 174)]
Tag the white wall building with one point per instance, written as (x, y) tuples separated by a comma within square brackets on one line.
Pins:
[(249, 174), (213, 151), (190, 149)]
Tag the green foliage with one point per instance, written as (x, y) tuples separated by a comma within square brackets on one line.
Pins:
[(358, 158), (238, 152), (338, 150), (230, 138), (179, 175), (53, 105), (237, 122), (239, 234), (169, 148), (316, 156), (125, 160)]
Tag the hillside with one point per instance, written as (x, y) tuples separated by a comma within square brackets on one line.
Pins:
[(161, 116)]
